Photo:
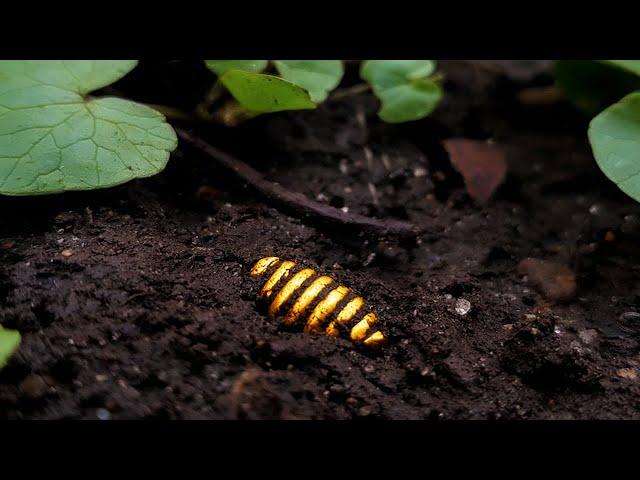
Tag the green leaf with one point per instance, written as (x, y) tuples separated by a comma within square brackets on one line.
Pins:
[(403, 88), (54, 138), (632, 66), (594, 85), (265, 93), (220, 67), (318, 77), (615, 139), (9, 343)]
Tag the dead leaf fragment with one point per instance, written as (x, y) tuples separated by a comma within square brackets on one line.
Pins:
[(7, 245), (555, 281), (482, 165)]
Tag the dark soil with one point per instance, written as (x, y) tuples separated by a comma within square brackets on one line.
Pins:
[(154, 316)]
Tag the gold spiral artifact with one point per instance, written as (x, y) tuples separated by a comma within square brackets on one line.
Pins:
[(301, 295)]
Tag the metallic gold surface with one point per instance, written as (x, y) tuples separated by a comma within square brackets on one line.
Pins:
[(375, 339), (359, 331), (289, 288), (286, 289), (263, 265), (346, 314), (304, 300), (282, 271), (325, 307)]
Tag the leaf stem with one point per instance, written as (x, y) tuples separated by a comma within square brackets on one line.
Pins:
[(205, 107)]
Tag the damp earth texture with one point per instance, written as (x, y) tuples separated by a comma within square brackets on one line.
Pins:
[(137, 302)]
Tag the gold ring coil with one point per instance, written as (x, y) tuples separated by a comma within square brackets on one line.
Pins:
[(263, 265), (289, 288), (323, 309), (346, 314), (282, 271), (307, 297)]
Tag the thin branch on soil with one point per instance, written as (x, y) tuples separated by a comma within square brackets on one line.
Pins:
[(349, 91), (540, 96), (295, 202)]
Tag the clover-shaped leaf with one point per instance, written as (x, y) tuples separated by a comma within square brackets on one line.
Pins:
[(262, 93), (220, 67), (54, 137), (9, 343), (615, 139), (318, 77), (403, 87)]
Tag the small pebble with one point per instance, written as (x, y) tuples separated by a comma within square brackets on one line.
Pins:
[(630, 225), (336, 389), (628, 374), (419, 172), (370, 258), (630, 316), (588, 336), (462, 306), (344, 166), (103, 414), (33, 387), (67, 253), (365, 411)]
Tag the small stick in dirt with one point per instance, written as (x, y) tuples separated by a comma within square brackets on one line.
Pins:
[(350, 91), (296, 202), (535, 96)]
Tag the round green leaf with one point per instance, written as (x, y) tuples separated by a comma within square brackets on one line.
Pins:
[(9, 343), (615, 139), (265, 93), (220, 67), (319, 77), (403, 88), (593, 85), (54, 138)]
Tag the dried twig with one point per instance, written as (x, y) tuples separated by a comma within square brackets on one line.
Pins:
[(296, 202)]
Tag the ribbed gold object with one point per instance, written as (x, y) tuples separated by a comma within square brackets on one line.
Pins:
[(314, 299)]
